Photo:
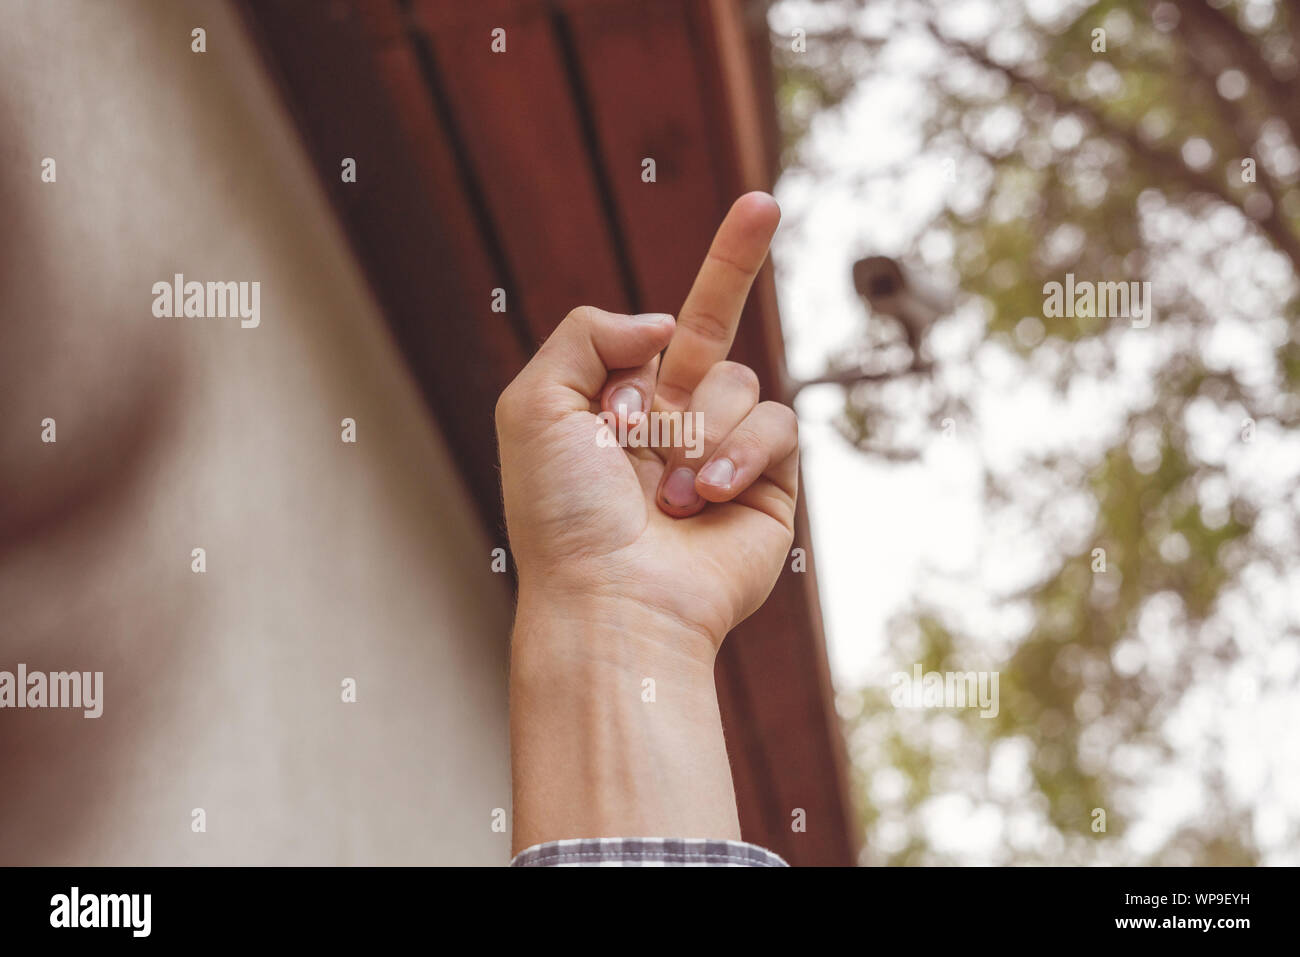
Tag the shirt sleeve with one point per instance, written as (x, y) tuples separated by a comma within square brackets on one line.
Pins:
[(646, 852)]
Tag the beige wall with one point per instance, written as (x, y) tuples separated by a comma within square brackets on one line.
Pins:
[(325, 560)]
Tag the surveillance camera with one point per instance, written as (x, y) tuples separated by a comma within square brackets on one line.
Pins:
[(903, 293), (892, 291)]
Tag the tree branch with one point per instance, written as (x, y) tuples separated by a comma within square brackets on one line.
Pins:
[(1218, 27), (851, 377), (1162, 162), (1232, 114)]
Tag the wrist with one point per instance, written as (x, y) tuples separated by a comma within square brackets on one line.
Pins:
[(559, 630), (615, 730)]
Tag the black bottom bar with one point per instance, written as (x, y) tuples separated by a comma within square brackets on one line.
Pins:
[(508, 909)]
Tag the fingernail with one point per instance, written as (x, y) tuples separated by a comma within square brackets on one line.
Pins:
[(651, 317), (626, 400), (718, 473), (679, 490)]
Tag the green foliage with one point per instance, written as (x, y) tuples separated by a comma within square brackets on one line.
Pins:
[(1099, 140)]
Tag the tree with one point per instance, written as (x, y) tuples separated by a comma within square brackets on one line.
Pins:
[(1114, 142)]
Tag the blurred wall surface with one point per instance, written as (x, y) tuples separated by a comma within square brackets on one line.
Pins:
[(223, 690)]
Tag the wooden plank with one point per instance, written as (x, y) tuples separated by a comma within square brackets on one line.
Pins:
[(785, 639), (638, 62), (518, 117), (639, 66), (660, 89)]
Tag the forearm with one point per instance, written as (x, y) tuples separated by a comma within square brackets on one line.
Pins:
[(596, 750)]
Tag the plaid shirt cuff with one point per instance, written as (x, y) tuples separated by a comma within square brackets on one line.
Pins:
[(646, 852)]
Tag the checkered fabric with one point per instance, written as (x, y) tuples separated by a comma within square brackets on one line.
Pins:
[(646, 852)]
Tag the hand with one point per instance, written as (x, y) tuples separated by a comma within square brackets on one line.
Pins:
[(698, 541), (634, 563)]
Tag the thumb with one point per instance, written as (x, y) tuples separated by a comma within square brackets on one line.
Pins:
[(571, 367)]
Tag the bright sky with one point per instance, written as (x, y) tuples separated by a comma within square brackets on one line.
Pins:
[(885, 533)]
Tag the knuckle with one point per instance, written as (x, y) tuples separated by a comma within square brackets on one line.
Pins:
[(730, 265), (741, 376), (707, 325), (507, 406), (784, 417), (746, 443), (581, 315)]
